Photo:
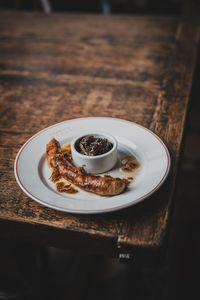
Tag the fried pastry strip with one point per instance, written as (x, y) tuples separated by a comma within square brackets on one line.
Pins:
[(105, 186)]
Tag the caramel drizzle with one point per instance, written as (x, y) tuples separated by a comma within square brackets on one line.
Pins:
[(61, 186), (129, 163), (65, 188)]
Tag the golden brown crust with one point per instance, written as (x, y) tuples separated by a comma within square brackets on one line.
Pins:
[(105, 186)]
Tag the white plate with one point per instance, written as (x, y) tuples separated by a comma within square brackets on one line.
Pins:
[(32, 172)]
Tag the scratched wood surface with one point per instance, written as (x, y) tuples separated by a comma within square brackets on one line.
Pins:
[(59, 67)]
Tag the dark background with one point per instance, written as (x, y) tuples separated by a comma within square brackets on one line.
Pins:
[(98, 6), (29, 272)]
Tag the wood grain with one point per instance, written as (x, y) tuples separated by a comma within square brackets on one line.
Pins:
[(60, 67)]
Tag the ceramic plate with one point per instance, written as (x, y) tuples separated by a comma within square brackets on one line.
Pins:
[(32, 172)]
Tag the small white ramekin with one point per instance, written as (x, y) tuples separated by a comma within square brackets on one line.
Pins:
[(95, 164)]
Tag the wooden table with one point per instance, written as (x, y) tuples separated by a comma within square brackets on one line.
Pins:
[(63, 66)]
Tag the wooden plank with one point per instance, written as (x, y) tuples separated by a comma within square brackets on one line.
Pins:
[(168, 122), (59, 67)]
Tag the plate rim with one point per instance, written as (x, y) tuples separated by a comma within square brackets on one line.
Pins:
[(96, 211)]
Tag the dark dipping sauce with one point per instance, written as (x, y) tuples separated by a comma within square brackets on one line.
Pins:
[(93, 146)]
